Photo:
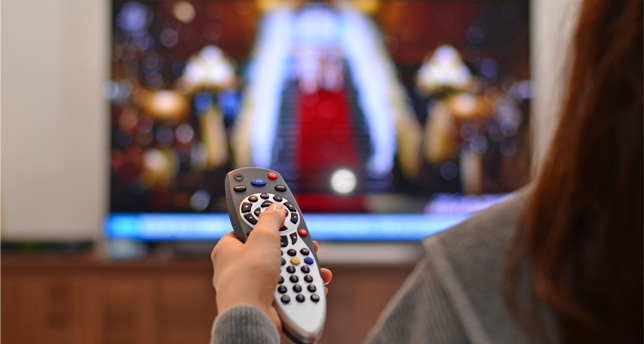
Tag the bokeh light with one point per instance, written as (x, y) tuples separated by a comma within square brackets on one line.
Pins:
[(343, 181), (200, 200), (449, 170), (134, 17), (184, 11)]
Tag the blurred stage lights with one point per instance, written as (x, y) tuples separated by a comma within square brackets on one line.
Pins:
[(184, 11), (343, 181), (200, 200)]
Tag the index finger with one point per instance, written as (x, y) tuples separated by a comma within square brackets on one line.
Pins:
[(266, 231)]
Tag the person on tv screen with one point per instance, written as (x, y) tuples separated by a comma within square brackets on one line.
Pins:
[(559, 262)]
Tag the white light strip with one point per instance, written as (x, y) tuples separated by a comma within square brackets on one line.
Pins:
[(266, 80), (367, 61)]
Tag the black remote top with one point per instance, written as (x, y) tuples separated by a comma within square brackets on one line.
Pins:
[(299, 298)]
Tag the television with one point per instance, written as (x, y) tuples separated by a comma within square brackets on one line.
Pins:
[(390, 120)]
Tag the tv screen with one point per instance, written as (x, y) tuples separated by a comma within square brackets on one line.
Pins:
[(389, 120)]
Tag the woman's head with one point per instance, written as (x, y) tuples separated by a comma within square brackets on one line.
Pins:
[(581, 236)]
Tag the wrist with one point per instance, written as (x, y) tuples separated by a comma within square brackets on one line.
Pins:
[(231, 297), (230, 294)]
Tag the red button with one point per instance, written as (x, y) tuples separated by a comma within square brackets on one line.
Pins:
[(303, 232), (272, 175)]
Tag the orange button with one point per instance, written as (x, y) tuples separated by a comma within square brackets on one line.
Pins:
[(295, 261)]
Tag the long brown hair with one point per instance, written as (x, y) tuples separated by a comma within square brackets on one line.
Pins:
[(580, 237)]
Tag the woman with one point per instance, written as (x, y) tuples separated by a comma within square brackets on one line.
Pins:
[(561, 262)]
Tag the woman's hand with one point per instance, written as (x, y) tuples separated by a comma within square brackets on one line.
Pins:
[(247, 273)]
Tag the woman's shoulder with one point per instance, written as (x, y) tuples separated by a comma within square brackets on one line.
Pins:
[(485, 235), (468, 261)]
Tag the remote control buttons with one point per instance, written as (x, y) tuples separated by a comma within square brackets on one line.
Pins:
[(289, 206), (238, 177), (272, 175), (250, 218), (293, 238), (258, 182), (298, 284)]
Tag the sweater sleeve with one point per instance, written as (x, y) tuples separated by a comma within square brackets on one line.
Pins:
[(244, 325), (418, 313)]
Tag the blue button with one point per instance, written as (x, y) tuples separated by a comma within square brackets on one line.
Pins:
[(258, 182), (308, 260)]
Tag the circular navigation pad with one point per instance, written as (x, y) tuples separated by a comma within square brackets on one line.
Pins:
[(253, 205)]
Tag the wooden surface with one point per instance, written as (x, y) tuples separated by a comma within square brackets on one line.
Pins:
[(82, 299)]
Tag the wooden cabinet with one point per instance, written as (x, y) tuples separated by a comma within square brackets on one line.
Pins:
[(53, 299)]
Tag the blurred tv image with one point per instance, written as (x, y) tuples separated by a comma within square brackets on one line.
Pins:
[(362, 106)]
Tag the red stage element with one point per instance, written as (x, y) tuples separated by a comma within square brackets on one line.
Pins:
[(325, 144)]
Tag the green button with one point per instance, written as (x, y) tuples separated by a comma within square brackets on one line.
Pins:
[(283, 261)]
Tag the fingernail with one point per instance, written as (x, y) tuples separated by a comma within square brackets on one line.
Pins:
[(278, 206)]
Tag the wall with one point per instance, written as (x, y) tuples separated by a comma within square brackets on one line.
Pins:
[(555, 21), (54, 60), (54, 120)]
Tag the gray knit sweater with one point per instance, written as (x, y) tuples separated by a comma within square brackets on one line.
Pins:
[(454, 295)]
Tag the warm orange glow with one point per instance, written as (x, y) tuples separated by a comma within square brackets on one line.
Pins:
[(165, 105)]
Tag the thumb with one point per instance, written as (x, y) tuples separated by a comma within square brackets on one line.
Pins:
[(266, 231)]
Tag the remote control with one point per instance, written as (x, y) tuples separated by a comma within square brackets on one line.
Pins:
[(299, 298)]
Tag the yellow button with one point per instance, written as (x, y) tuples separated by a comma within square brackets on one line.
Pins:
[(295, 261)]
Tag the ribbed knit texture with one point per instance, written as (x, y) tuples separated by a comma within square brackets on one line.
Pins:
[(454, 295), (244, 325)]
